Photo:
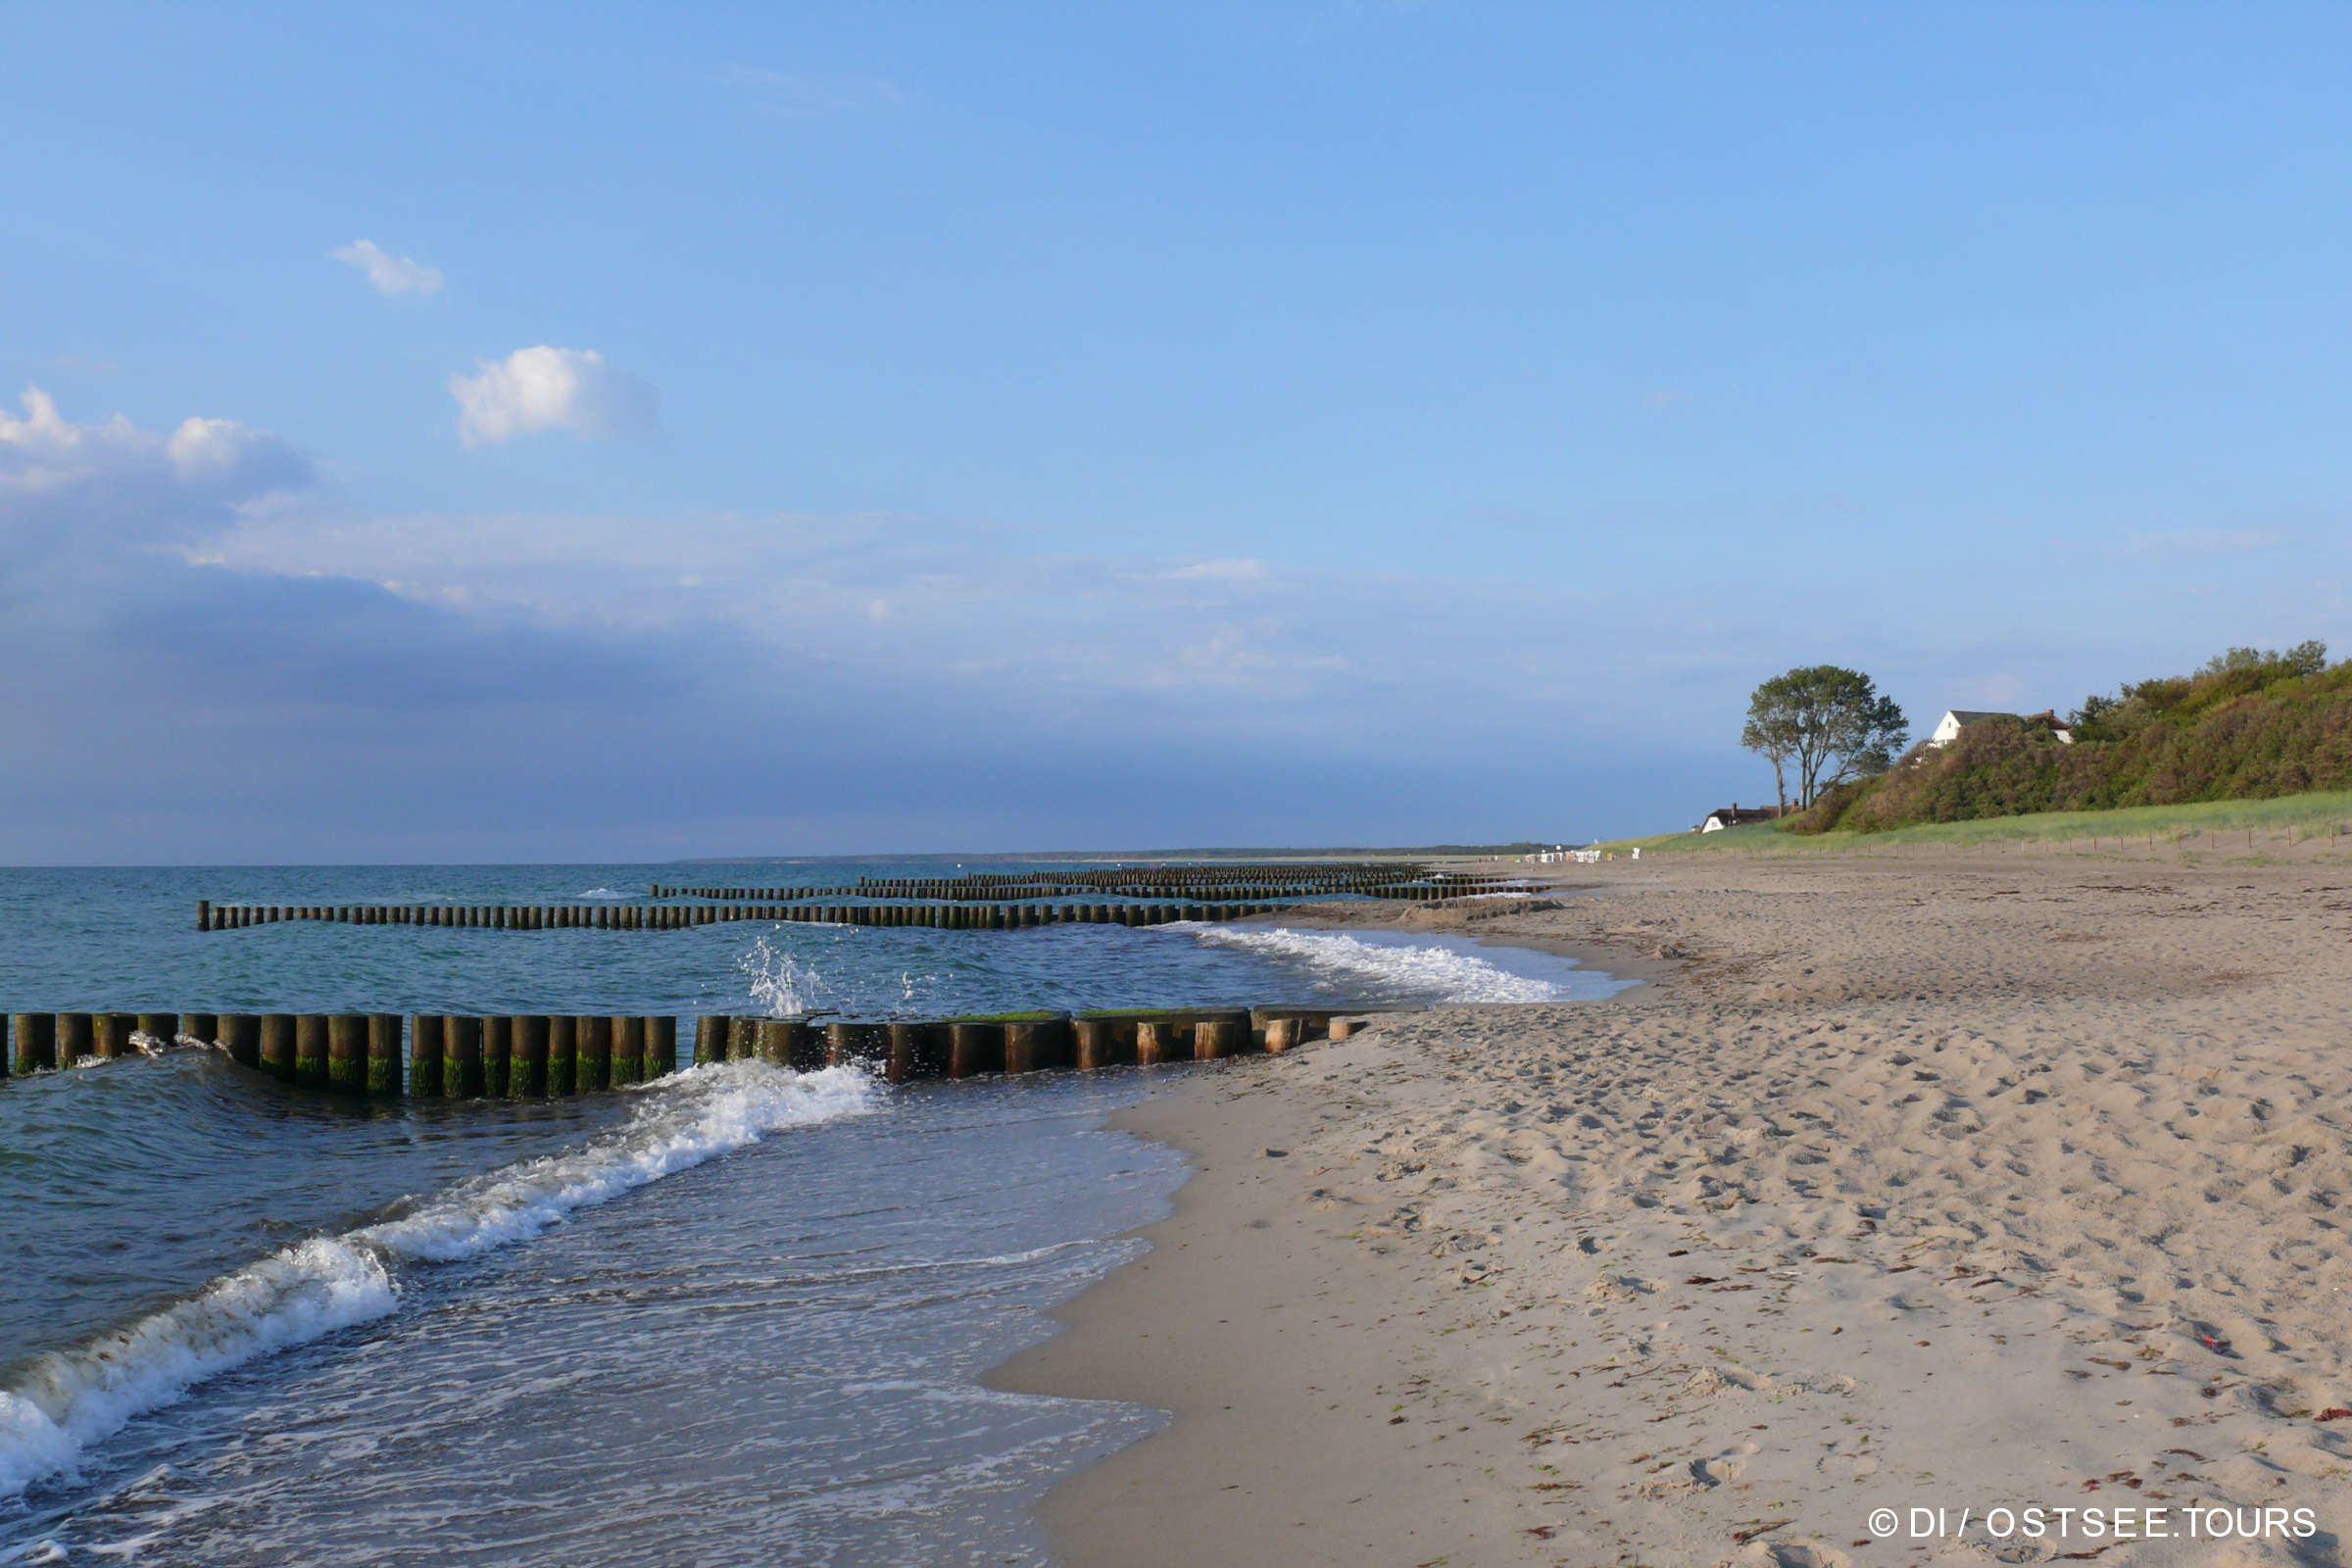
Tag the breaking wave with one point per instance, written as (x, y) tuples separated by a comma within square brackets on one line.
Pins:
[(1431, 973), (69, 1400)]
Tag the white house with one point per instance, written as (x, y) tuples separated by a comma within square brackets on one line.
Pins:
[(1958, 718), (1733, 815)]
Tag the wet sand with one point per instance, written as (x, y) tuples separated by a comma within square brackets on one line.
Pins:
[(1995, 1180)]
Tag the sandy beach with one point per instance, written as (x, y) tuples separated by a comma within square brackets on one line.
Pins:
[(1960, 1188)]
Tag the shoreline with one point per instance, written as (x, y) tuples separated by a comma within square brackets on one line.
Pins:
[(1927, 1183)]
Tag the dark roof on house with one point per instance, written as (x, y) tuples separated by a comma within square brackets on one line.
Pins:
[(1970, 715)]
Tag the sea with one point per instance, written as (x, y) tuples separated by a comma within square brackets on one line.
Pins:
[(736, 1316)]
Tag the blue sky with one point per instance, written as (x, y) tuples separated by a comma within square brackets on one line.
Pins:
[(662, 431)]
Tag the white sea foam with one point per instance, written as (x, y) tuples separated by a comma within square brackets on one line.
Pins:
[(69, 1400), (780, 983), (601, 892), (1441, 973)]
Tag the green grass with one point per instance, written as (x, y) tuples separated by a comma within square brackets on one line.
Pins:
[(1036, 1015), (2206, 825)]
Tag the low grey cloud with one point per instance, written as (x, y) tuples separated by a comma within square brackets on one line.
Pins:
[(327, 684), (66, 487), (332, 685)]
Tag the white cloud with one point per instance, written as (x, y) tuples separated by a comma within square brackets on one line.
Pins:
[(546, 388), (1244, 570), (390, 274), (114, 481)]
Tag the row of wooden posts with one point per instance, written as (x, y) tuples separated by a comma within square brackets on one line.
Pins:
[(1216, 886), (963, 1047), (532, 1055), (363, 1052), (1262, 873), (210, 917)]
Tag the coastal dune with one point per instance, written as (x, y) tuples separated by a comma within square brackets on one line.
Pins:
[(1953, 1189)]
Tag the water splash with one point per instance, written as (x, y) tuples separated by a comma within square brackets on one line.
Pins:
[(780, 984)]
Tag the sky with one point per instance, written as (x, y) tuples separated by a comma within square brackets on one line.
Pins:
[(585, 433)]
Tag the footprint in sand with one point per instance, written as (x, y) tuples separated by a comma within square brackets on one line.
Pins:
[(1729, 1465), (1790, 1554), (1807, 1554), (1848, 1467)]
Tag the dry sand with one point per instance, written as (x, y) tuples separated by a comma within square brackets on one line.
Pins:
[(1955, 1185)]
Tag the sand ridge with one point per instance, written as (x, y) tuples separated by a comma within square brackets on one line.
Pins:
[(1913, 1186)]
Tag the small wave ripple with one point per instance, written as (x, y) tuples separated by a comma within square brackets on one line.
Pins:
[(69, 1400)]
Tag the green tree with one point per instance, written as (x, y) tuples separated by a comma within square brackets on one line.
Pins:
[(2303, 659), (1826, 724)]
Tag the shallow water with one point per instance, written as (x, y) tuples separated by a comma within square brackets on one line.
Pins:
[(736, 1316)]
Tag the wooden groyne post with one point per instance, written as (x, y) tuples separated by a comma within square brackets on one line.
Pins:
[(501, 1056)]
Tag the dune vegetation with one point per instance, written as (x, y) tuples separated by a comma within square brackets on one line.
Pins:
[(2250, 726)]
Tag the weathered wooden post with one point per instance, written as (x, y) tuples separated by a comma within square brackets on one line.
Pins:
[(563, 1055), (1103, 1041), (35, 1037), (498, 1056), (111, 1033), (628, 1052), (1161, 1040), (202, 1027), (383, 1054), (975, 1047), (660, 1047), (849, 1043), (527, 1064), (465, 1071), (1220, 1034), (778, 1041), (593, 1038), (310, 1050), (1341, 1028), (743, 1038), (915, 1051), (346, 1052), (276, 1056), (161, 1027), (711, 1032), (240, 1035), (1034, 1045), (429, 1035)]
